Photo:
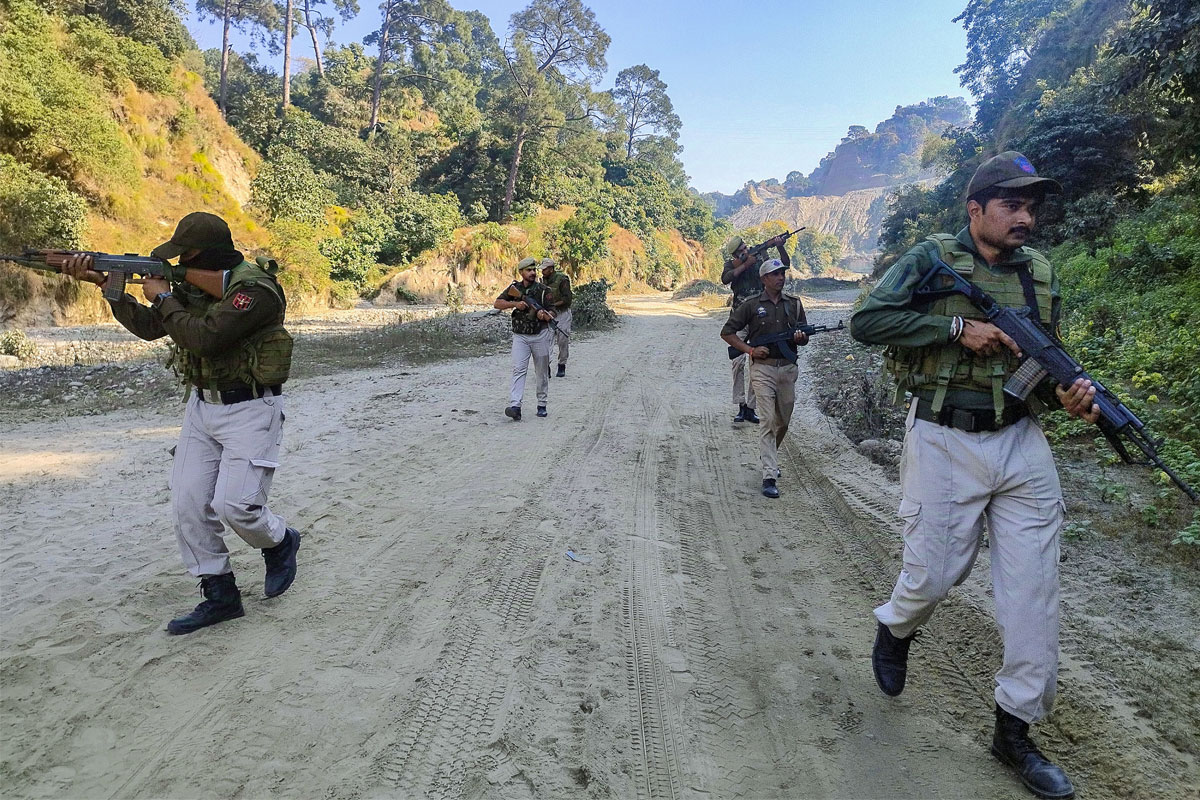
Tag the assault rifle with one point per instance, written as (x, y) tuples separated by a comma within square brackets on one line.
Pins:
[(784, 340), (516, 294), (1045, 356), (122, 269), (760, 248)]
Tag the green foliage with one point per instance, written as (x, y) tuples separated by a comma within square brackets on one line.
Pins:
[(420, 222), (286, 187), (582, 238), (54, 117), (455, 297), (15, 343), (589, 306), (1190, 535), (817, 252), (38, 210)]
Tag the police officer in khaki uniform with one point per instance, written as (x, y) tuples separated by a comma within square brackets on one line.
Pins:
[(560, 290), (531, 336), (740, 274), (971, 453), (234, 355), (772, 376)]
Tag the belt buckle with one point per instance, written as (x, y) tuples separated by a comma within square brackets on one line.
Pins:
[(963, 420)]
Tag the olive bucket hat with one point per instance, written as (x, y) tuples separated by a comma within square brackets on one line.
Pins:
[(1009, 170), (197, 231)]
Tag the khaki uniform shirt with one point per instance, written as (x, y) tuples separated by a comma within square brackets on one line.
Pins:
[(762, 317)]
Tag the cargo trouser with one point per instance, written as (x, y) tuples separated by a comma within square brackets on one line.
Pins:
[(774, 384), (524, 346), (224, 464), (952, 480), (743, 389), (562, 336)]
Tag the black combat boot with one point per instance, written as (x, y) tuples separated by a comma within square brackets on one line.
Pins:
[(1011, 744), (750, 415), (889, 660), (281, 564), (562, 371), (513, 413), (741, 415), (769, 488), (222, 601), (541, 412)]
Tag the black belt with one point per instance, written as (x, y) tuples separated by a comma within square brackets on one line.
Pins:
[(241, 394), (970, 421)]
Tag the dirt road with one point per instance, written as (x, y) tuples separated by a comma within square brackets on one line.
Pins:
[(438, 641)]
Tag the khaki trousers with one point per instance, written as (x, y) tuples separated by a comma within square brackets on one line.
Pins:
[(524, 346), (952, 481), (224, 464), (562, 336), (774, 384), (743, 390)]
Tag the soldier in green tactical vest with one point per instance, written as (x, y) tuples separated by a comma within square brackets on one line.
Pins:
[(531, 335), (559, 284), (232, 352), (973, 452)]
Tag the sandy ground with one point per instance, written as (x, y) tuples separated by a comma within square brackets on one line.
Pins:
[(439, 643)]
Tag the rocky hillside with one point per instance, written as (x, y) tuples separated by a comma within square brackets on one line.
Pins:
[(854, 218)]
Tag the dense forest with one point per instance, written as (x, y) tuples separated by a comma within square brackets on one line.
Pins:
[(356, 165), (1103, 96)]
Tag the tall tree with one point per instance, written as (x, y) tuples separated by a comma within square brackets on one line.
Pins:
[(287, 55), (642, 97), (554, 42), (258, 18), (313, 19), (406, 25)]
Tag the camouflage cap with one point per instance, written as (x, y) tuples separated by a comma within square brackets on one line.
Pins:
[(547, 263), (771, 265), (527, 263), (731, 246), (197, 231), (1009, 170)]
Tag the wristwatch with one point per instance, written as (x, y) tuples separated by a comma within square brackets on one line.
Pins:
[(158, 301)]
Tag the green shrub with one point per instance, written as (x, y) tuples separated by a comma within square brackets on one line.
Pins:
[(455, 297), (16, 343), (589, 306), (38, 210)]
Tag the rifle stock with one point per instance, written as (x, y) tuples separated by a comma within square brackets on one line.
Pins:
[(1046, 357)]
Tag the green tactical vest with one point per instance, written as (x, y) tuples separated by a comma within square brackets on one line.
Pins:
[(264, 358), (944, 367)]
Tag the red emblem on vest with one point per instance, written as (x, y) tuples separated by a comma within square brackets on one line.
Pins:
[(242, 301)]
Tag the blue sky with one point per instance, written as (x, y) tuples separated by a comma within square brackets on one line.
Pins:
[(763, 87)]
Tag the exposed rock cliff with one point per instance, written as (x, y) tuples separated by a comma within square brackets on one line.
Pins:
[(854, 218)]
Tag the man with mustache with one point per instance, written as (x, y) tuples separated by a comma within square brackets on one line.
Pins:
[(972, 452)]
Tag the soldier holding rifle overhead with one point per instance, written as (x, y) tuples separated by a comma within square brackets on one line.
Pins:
[(973, 451), (232, 352)]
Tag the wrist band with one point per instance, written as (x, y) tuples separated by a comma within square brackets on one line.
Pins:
[(956, 328)]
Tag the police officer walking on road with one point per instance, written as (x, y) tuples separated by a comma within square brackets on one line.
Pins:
[(531, 336), (972, 452), (740, 274), (772, 376), (559, 285), (234, 355)]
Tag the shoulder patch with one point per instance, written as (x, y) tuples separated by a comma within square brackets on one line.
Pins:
[(242, 301)]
